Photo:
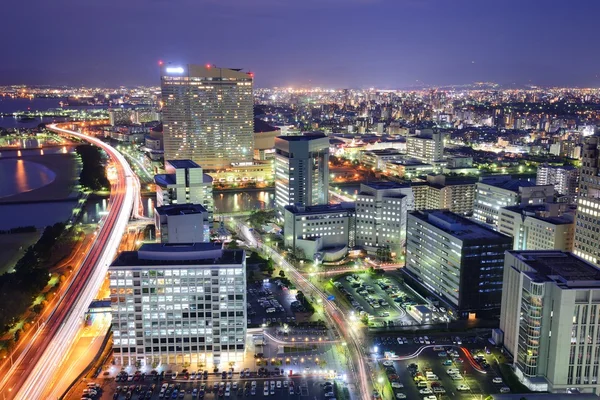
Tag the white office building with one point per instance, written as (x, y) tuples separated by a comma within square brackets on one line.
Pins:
[(208, 115), (184, 183), (427, 147), (179, 304), (301, 170), (564, 178), (321, 232), (381, 210), (550, 320), (182, 223), (496, 192), (542, 227)]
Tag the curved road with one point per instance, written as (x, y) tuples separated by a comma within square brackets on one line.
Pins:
[(36, 365)]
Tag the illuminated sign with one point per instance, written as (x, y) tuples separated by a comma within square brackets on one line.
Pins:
[(174, 70)]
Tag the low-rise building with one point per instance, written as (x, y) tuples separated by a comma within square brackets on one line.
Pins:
[(495, 192), (250, 172), (182, 223), (550, 320), (376, 159), (320, 232), (182, 304), (455, 260), (408, 168)]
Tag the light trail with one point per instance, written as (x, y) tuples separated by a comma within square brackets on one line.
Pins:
[(67, 318), (331, 309)]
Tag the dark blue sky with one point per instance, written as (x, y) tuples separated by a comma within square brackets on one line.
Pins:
[(333, 43)]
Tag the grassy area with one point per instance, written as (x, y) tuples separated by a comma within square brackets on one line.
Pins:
[(298, 349), (511, 380)]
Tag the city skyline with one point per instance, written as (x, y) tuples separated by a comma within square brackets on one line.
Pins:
[(365, 43)]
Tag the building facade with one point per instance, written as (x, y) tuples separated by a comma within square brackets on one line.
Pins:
[(587, 223), (381, 210), (179, 304), (321, 232), (184, 183), (455, 260), (301, 170), (207, 114), (550, 319)]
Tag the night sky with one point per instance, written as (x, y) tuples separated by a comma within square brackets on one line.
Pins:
[(332, 43)]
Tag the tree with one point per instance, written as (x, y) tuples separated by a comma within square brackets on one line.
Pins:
[(282, 273), (233, 245)]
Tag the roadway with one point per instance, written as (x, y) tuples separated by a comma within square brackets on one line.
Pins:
[(358, 371), (43, 351)]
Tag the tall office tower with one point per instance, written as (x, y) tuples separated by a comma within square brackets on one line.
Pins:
[(184, 183), (495, 192), (208, 115), (301, 170), (381, 210), (587, 223), (564, 178), (427, 147), (456, 260), (550, 320), (179, 304), (182, 223)]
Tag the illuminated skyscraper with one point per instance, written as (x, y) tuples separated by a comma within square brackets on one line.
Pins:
[(208, 115)]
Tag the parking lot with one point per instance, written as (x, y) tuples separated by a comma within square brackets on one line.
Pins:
[(269, 303), (380, 298), (215, 387)]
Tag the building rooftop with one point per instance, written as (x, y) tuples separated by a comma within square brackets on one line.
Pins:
[(181, 209), (382, 152), (164, 180), (303, 138), (558, 266), (508, 183), (183, 164), (459, 227), (554, 215), (321, 208), (165, 254), (385, 185)]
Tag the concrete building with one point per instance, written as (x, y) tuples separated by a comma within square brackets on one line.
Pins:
[(120, 116), (208, 115), (427, 147), (407, 168), (496, 192), (377, 158), (444, 192), (253, 172), (548, 226), (460, 165), (550, 320), (301, 170), (321, 232), (587, 223), (182, 223), (564, 178), (455, 260), (185, 182), (179, 304), (381, 217)]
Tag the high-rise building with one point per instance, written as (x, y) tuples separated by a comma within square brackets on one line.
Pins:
[(549, 226), (381, 210), (179, 304), (564, 178), (182, 223), (456, 260), (587, 223), (208, 115), (184, 183), (301, 170), (427, 147), (495, 192), (550, 320)]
